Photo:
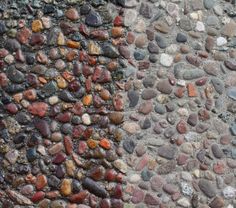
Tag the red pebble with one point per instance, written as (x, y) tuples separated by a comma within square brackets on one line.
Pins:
[(60, 158), (118, 21), (68, 145), (38, 109), (3, 79), (83, 29), (105, 203), (110, 175), (38, 196), (117, 192), (64, 117), (12, 108), (78, 198), (219, 167), (182, 127)]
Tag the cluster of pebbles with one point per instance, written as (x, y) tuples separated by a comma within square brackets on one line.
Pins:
[(117, 103)]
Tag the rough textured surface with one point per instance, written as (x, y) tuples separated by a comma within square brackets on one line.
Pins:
[(117, 103)]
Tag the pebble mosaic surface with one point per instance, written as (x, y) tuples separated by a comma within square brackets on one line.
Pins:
[(118, 103)]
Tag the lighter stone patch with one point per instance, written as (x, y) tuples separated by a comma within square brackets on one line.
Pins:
[(166, 60)]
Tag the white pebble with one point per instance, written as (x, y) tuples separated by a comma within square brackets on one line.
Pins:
[(9, 59), (135, 178), (53, 100), (221, 41), (86, 119), (229, 192), (184, 202), (200, 27), (166, 60)]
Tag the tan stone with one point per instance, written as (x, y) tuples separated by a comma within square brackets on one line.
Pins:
[(37, 26), (66, 188)]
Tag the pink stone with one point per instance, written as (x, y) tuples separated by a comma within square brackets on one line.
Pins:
[(82, 147), (150, 199), (182, 127), (142, 162), (137, 196), (38, 109)]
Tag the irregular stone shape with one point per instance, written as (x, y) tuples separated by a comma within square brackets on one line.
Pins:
[(43, 127), (148, 94), (184, 202), (137, 196), (166, 60), (229, 29), (38, 109), (157, 183), (12, 156), (151, 199), (185, 24), (218, 85), (121, 165), (130, 16), (207, 188), (3, 28), (12, 45), (15, 75), (161, 26), (94, 188), (231, 92), (133, 98), (167, 151), (167, 167), (20, 199), (110, 51), (131, 127), (161, 41), (67, 96), (93, 19), (129, 145), (145, 10), (164, 86), (146, 107), (217, 202)]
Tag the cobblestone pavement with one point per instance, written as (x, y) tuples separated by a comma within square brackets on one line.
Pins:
[(117, 103)]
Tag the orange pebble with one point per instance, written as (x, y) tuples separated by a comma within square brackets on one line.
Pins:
[(192, 91), (92, 143), (42, 80), (87, 100), (105, 143), (73, 44)]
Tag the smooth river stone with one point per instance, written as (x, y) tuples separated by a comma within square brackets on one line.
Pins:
[(94, 188)]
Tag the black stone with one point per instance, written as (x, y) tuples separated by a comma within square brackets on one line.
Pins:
[(53, 181), (31, 154), (49, 9), (133, 98), (3, 28), (94, 188), (12, 45), (109, 51), (15, 75), (181, 38), (93, 19), (85, 9), (129, 145), (66, 96)]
